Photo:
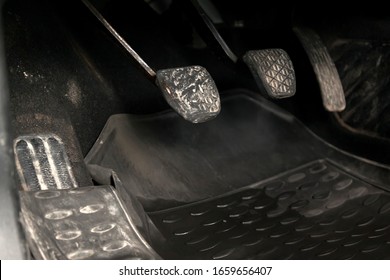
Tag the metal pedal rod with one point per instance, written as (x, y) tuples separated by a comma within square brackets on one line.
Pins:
[(190, 91), (272, 69), (208, 30)]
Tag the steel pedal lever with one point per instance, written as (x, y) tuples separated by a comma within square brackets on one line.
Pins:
[(190, 90), (271, 68)]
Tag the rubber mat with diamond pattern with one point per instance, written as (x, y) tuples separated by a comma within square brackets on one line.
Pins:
[(316, 211)]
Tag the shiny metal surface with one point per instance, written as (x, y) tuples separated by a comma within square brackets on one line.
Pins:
[(42, 163), (191, 92), (82, 223)]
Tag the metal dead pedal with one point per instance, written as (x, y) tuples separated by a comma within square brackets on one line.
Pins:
[(82, 223), (190, 91), (63, 221), (272, 68), (42, 163), (328, 78)]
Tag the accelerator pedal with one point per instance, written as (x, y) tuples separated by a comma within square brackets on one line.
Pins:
[(328, 78)]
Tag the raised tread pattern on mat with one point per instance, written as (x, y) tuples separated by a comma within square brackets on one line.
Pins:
[(316, 211)]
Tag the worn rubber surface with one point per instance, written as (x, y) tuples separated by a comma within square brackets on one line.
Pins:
[(316, 211)]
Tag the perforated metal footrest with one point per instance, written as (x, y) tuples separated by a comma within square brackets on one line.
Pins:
[(316, 211), (191, 92), (42, 163), (273, 72), (83, 223)]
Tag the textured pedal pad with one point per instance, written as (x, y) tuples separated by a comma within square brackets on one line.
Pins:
[(328, 78), (191, 92), (42, 163), (83, 223), (273, 71)]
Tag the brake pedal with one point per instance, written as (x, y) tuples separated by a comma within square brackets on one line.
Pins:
[(83, 223), (42, 163), (272, 69), (328, 78), (190, 91)]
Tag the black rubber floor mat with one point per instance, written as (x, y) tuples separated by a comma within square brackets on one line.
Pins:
[(166, 162), (211, 192), (316, 211)]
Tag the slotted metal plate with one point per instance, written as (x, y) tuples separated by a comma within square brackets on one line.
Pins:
[(316, 211), (42, 163), (83, 223)]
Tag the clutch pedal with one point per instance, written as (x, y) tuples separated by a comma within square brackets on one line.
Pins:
[(190, 91)]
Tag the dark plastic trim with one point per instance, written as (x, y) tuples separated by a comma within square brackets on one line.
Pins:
[(12, 242)]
